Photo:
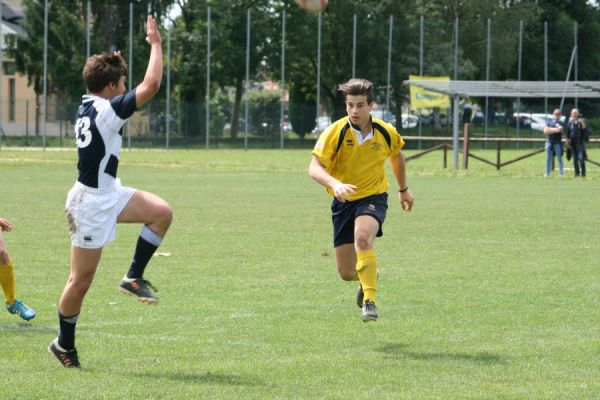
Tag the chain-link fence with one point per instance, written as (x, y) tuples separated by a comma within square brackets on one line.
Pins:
[(262, 115)]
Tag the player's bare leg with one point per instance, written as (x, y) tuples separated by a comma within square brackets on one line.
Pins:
[(84, 263)]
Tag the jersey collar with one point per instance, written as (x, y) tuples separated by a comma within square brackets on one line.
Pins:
[(358, 133)]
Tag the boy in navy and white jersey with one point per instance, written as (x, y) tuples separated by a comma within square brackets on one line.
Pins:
[(97, 201)]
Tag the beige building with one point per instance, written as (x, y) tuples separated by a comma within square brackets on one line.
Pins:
[(21, 111)]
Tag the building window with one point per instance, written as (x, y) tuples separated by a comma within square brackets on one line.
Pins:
[(11, 100), (9, 68)]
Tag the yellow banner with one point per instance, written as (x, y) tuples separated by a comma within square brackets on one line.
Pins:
[(421, 98)]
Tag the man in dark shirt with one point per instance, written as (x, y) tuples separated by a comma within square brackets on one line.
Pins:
[(576, 137), (553, 131)]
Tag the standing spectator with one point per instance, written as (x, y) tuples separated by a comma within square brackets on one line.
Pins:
[(576, 140), (553, 131)]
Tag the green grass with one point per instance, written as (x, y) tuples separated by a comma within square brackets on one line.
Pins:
[(489, 289)]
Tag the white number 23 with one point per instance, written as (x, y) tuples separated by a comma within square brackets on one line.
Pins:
[(83, 134)]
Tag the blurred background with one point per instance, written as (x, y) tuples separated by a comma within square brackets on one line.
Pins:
[(263, 73)]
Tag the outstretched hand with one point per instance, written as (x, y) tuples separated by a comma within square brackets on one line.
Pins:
[(152, 32), (5, 225)]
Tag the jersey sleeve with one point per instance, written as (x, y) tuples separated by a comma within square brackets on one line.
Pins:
[(326, 146), (124, 105), (396, 142)]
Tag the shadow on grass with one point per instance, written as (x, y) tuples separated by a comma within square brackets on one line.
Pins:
[(400, 350), (206, 377)]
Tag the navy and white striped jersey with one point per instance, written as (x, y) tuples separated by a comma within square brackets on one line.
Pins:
[(98, 131)]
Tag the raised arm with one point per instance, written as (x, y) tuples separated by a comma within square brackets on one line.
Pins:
[(151, 83)]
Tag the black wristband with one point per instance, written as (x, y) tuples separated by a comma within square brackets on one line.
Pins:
[(403, 190)]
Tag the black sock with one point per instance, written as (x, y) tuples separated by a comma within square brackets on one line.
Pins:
[(147, 244), (66, 334)]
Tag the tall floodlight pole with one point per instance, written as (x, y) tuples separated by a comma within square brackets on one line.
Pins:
[(456, 48), (575, 46), (318, 70), (168, 105), (545, 63), (45, 70), (88, 29), (520, 63), (389, 68), (487, 74), (208, 23), (130, 67), (247, 80), (282, 91), (354, 47), (421, 40)]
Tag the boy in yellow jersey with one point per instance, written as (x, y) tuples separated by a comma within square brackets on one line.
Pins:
[(7, 279), (349, 160)]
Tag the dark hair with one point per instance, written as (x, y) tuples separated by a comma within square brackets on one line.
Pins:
[(357, 87), (102, 69)]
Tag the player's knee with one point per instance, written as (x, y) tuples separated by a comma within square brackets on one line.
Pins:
[(4, 257), (347, 275), (362, 241), (165, 213)]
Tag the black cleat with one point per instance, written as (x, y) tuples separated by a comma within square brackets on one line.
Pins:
[(360, 296), (140, 288), (68, 358), (369, 311)]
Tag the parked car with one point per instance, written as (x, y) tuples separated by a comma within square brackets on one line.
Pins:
[(387, 116), (409, 121), (535, 121), (322, 123), (522, 118), (539, 121)]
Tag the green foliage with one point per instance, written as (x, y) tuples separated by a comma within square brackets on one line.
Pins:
[(302, 110), (67, 24), (264, 110)]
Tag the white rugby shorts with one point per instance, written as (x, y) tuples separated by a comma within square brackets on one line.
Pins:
[(92, 213)]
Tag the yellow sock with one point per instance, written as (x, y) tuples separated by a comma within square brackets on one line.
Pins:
[(366, 266), (7, 281)]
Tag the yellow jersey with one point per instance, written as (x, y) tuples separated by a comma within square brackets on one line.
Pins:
[(361, 163)]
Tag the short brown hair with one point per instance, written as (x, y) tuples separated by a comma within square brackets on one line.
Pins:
[(357, 87), (102, 69)]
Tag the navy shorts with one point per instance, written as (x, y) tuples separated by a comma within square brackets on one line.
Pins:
[(344, 214)]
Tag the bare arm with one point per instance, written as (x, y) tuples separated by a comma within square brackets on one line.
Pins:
[(317, 171), (399, 170), (151, 83)]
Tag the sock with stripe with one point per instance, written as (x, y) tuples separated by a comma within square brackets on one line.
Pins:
[(147, 244), (66, 333)]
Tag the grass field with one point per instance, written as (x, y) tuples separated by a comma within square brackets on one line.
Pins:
[(488, 290)]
